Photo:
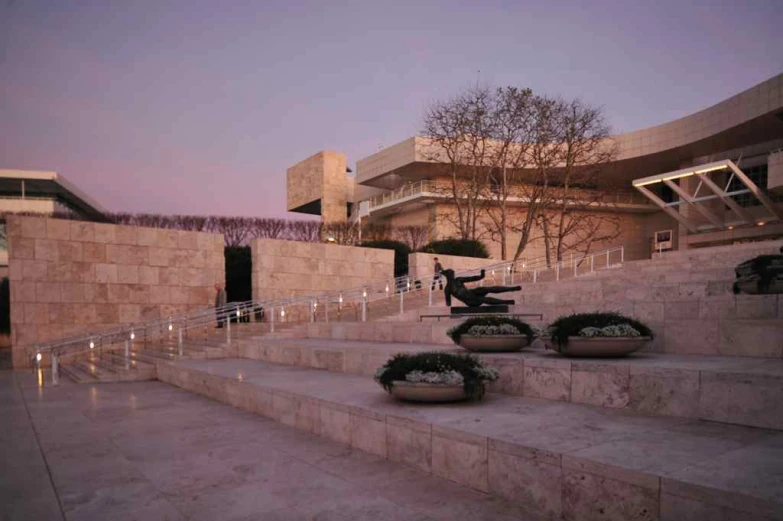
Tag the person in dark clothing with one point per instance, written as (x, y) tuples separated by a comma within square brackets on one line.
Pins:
[(436, 278), (455, 286), (220, 301)]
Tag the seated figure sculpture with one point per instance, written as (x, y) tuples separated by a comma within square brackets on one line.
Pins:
[(455, 287)]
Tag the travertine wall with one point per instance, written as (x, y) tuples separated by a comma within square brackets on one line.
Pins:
[(321, 177), (422, 264), (69, 277), (284, 269)]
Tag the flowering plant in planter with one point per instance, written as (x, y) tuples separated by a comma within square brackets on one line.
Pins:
[(491, 326), (588, 329), (437, 369)]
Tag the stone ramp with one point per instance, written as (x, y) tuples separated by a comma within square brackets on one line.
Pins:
[(736, 390), (560, 460)]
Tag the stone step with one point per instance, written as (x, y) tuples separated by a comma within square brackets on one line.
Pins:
[(98, 372), (76, 374), (560, 460), (735, 390)]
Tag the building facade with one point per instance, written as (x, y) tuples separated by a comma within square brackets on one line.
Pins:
[(713, 177)]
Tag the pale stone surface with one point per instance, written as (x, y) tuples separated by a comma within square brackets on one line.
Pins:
[(287, 269), (368, 433), (460, 457), (746, 399), (664, 391), (409, 442), (534, 483), (62, 263), (600, 384), (552, 383), (588, 497)]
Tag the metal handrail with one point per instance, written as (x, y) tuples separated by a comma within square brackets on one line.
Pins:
[(361, 296)]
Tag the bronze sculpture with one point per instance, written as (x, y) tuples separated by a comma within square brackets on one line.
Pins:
[(455, 287)]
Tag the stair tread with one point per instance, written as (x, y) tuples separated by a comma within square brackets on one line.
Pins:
[(95, 370), (671, 453), (77, 374)]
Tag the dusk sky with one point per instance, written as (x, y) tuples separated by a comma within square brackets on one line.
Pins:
[(198, 106)]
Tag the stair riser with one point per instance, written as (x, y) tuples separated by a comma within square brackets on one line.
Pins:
[(736, 398), (475, 461)]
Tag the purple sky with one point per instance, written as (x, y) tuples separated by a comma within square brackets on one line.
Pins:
[(198, 106)]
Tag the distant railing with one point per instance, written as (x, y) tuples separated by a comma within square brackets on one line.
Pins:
[(356, 302), (430, 188)]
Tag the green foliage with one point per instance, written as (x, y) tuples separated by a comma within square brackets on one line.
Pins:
[(471, 369), (401, 252), (5, 307), (458, 247), (571, 325), (461, 329)]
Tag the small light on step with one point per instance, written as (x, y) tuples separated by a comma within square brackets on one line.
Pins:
[(239, 313), (171, 327), (38, 357), (761, 223), (731, 227), (132, 336), (282, 312), (92, 345), (315, 305), (387, 288)]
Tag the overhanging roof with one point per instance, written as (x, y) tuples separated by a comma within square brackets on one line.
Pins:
[(49, 184)]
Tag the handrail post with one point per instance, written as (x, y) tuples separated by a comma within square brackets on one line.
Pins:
[(272, 320), (127, 354), (622, 254), (402, 306), (592, 258), (364, 305), (557, 271), (312, 312), (429, 297), (535, 276), (607, 258), (326, 310), (228, 328), (55, 368), (179, 340)]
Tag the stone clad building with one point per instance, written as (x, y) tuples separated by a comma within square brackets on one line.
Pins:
[(725, 164)]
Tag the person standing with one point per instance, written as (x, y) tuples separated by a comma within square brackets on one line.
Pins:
[(220, 301), (436, 278)]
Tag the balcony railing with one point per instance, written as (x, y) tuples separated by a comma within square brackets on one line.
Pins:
[(430, 188)]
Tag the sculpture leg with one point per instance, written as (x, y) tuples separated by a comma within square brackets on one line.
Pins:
[(497, 302), (486, 290)]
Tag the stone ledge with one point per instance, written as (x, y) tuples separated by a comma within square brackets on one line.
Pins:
[(561, 461), (743, 391)]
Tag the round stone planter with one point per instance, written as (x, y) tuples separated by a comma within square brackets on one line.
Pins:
[(493, 343), (424, 392), (603, 346)]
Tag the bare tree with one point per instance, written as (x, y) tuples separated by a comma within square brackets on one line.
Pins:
[(459, 131), (263, 228), (414, 236), (543, 155), (306, 231), (513, 119), (235, 230), (575, 220), (376, 232)]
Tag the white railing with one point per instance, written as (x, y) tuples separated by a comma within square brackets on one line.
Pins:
[(430, 188), (388, 296)]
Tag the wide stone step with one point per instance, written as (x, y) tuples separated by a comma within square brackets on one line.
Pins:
[(743, 391), (560, 460), (77, 374)]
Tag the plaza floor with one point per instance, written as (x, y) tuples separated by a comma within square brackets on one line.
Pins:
[(150, 451)]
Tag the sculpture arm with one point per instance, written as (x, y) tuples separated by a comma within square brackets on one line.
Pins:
[(475, 278)]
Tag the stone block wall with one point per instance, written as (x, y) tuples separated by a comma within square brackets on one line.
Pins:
[(283, 269), (320, 180), (70, 277)]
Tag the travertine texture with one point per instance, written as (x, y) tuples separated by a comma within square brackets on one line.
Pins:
[(557, 461), (289, 269), (69, 277), (320, 179)]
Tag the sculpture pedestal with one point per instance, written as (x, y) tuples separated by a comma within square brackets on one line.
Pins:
[(478, 310)]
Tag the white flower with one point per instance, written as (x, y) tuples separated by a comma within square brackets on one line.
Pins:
[(620, 330), (502, 329), (489, 374), (443, 378)]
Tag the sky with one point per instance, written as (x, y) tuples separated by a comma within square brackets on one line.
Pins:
[(198, 107)]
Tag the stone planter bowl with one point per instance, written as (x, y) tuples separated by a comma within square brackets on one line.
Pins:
[(424, 392), (603, 346), (493, 343)]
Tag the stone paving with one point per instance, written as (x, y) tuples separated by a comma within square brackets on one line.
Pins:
[(147, 450)]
